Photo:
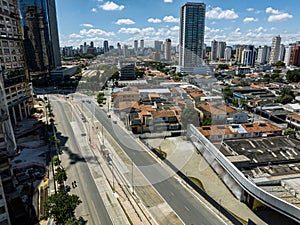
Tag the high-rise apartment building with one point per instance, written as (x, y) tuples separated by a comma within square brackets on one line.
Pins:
[(262, 54), (119, 49), (281, 53), (142, 46), (295, 55), (41, 40), (136, 46), (105, 46), (158, 46), (275, 48), (214, 50), (228, 53), (238, 54), (168, 49), (15, 92), (125, 51), (221, 49), (248, 56), (191, 36), (288, 52), (12, 62)]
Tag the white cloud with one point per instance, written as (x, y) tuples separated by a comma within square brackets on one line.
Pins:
[(279, 17), (124, 21), (269, 10), (218, 13), (135, 31), (93, 10), (75, 36), (250, 9), (109, 6), (95, 32), (211, 30), (276, 15), (260, 29), (250, 19), (237, 30), (130, 30), (171, 19), (86, 25), (168, 1), (154, 20), (175, 28)]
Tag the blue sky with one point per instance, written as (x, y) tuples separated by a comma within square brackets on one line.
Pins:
[(234, 21)]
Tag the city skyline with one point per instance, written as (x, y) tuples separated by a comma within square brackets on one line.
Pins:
[(252, 22)]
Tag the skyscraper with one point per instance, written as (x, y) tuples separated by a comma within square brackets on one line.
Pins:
[(142, 46), (191, 36), (214, 50), (262, 55), (168, 49), (53, 33), (136, 46), (40, 36), (221, 49), (281, 53), (12, 62), (275, 48), (15, 91), (227, 53), (248, 56), (105, 46)]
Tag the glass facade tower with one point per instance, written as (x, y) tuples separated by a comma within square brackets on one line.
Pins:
[(191, 39), (40, 36)]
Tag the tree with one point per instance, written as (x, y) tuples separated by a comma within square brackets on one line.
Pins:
[(100, 97), (189, 116), (227, 92), (290, 131), (60, 176), (293, 75), (206, 121), (286, 96), (223, 67), (61, 207), (279, 64)]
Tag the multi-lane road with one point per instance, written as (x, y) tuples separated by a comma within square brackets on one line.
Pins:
[(188, 207), (92, 208), (182, 201)]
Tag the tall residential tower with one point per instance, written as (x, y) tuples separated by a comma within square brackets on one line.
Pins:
[(275, 48), (191, 36)]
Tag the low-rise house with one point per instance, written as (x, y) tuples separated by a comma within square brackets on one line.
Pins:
[(293, 120), (218, 112), (218, 133)]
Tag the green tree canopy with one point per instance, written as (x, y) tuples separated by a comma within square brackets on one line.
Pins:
[(61, 207), (289, 131), (286, 96), (60, 175), (223, 66), (227, 92), (293, 75)]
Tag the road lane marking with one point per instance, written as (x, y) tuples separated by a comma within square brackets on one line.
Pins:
[(186, 208)]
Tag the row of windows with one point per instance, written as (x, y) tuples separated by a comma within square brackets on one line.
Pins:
[(10, 43)]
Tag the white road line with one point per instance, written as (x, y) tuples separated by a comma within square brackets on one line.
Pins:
[(186, 208)]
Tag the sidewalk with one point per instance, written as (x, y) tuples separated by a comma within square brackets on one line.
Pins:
[(184, 156)]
